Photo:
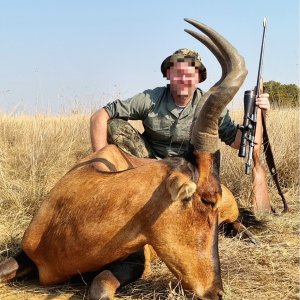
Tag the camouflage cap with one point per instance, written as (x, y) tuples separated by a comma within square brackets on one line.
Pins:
[(182, 55)]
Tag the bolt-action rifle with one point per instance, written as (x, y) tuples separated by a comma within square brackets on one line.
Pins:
[(249, 127), (250, 112)]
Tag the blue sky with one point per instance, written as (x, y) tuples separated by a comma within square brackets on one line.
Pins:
[(62, 55)]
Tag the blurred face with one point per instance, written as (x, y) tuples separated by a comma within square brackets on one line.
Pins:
[(184, 78)]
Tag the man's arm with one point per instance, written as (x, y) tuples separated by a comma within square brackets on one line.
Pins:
[(237, 141), (98, 129), (134, 108)]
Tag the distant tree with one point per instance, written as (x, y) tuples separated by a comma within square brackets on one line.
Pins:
[(283, 95)]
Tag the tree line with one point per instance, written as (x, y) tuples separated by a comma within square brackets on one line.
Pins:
[(282, 95)]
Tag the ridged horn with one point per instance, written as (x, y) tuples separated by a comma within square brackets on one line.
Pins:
[(205, 130)]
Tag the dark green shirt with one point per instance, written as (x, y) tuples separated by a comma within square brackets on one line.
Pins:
[(167, 126)]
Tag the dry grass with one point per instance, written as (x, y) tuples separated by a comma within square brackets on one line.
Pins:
[(36, 151)]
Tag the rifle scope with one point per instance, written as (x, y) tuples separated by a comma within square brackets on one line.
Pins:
[(249, 101)]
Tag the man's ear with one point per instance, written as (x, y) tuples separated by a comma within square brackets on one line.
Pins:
[(200, 79), (168, 74)]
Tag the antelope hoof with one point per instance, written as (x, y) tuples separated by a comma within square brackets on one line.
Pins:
[(251, 239), (244, 233), (8, 270)]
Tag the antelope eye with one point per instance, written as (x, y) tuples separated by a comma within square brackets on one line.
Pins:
[(206, 201)]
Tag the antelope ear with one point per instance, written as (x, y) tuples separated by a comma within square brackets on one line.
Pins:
[(180, 186)]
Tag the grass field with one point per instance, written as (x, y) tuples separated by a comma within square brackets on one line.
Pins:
[(37, 150)]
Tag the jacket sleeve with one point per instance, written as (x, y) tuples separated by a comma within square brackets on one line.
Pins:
[(135, 108), (227, 128)]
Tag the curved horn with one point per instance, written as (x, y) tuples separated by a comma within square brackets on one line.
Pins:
[(213, 48), (205, 131)]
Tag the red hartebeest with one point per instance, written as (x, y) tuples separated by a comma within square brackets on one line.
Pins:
[(92, 219)]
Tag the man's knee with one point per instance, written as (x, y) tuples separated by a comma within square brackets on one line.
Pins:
[(122, 134)]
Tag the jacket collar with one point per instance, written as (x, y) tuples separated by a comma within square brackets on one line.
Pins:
[(173, 108)]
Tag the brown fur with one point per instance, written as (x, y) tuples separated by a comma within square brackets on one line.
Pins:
[(102, 217), (227, 206), (169, 204)]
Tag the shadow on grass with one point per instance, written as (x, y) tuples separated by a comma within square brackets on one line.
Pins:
[(249, 220)]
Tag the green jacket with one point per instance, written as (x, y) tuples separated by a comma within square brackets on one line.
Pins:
[(167, 127)]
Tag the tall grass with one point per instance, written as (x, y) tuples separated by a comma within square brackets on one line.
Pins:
[(36, 151)]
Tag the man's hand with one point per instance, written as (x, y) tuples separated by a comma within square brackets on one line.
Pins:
[(263, 103)]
